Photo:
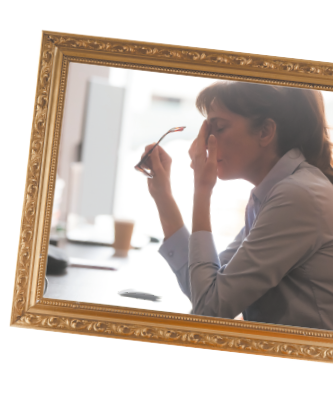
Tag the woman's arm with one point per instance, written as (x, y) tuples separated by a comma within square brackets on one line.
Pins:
[(205, 176), (284, 236), (170, 216), (175, 252), (175, 246), (160, 189)]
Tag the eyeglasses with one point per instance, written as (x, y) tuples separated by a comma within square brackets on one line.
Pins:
[(138, 167)]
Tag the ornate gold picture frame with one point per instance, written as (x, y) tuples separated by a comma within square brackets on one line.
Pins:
[(31, 310)]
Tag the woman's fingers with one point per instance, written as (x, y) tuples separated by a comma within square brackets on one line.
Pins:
[(191, 152), (165, 159), (147, 149), (205, 167), (162, 153), (212, 149), (202, 141), (147, 162), (192, 149), (211, 163), (157, 159), (202, 134), (199, 150)]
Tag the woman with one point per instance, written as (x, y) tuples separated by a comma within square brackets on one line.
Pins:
[(279, 269)]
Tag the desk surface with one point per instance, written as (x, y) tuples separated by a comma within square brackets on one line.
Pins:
[(143, 270)]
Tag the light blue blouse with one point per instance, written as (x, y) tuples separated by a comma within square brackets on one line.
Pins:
[(279, 268)]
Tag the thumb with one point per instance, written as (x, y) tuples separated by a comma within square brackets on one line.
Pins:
[(212, 148)]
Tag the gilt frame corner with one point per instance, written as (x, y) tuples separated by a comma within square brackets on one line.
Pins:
[(31, 310)]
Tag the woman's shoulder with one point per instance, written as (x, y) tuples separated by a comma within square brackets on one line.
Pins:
[(307, 185)]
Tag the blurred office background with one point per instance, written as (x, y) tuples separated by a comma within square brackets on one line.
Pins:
[(110, 115)]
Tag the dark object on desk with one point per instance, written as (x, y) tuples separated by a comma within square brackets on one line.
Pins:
[(54, 241), (139, 294), (154, 240), (57, 261)]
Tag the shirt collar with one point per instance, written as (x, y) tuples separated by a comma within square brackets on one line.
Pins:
[(283, 168)]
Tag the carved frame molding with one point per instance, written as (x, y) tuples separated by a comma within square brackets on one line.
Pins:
[(31, 310)]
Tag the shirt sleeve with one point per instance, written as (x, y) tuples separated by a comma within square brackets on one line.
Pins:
[(284, 235), (175, 252), (232, 248)]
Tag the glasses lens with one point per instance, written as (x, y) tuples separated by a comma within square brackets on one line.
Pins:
[(144, 172)]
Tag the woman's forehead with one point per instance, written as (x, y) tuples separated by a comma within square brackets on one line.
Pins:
[(218, 111)]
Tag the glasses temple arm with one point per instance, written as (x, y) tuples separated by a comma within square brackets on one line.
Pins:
[(149, 152)]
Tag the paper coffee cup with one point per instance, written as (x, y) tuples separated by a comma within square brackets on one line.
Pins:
[(123, 230)]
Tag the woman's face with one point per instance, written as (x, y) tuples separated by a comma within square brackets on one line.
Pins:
[(238, 148)]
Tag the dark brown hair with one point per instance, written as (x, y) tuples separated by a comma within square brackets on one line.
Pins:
[(299, 115)]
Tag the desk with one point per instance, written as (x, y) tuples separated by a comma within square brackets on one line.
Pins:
[(143, 270)]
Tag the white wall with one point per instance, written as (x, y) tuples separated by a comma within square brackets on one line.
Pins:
[(79, 76), (46, 362)]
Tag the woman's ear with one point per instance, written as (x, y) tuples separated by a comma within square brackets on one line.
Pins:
[(267, 132)]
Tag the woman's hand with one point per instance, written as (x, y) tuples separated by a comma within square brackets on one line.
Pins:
[(160, 189), (160, 163), (205, 176), (205, 168)]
